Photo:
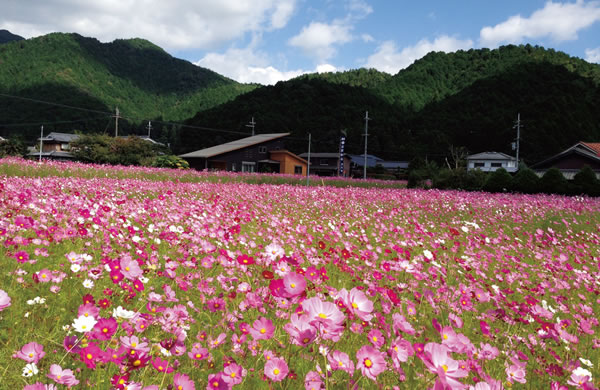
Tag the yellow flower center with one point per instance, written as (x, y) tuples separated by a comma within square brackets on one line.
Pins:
[(341, 364), (137, 363), (160, 368), (445, 337), (293, 285), (198, 355), (126, 268), (354, 305), (105, 330), (276, 371), (89, 356), (321, 315), (232, 375), (263, 330), (368, 363), (134, 344), (375, 338), (445, 367)]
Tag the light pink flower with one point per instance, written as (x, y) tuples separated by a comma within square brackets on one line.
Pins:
[(436, 359), (276, 369), (300, 330), (4, 300), (341, 361), (515, 373), (370, 362), (183, 382), (262, 329), (130, 268), (357, 302), (324, 312), (62, 376), (294, 284), (31, 352)]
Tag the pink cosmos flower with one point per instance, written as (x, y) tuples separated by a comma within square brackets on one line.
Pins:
[(436, 359), (357, 302), (515, 373), (198, 352), (130, 268), (217, 382), (401, 324), (370, 362), (134, 343), (400, 351), (300, 330), (578, 380), (44, 275), (294, 284), (62, 377), (104, 329), (214, 343), (31, 352), (161, 365), (276, 369), (22, 256), (4, 300), (323, 312), (183, 382), (262, 329), (341, 361), (233, 374), (376, 338), (88, 310), (39, 386), (313, 381)]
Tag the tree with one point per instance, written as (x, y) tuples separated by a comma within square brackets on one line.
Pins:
[(585, 182), (499, 181), (525, 181), (12, 147), (553, 182)]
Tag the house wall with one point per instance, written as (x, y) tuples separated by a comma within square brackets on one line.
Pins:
[(50, 147), (572, 161), (288, 163), (509, 165)]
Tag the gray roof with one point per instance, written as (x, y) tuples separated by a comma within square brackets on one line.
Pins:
[(395, 164), (60, 137), (490, 156), (233, 145), (51, 154), (321, 155)]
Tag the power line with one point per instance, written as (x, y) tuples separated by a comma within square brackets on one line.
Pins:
[(47, 123), (55, 104)]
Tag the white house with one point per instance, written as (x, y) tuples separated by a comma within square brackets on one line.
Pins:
[(491, 161)]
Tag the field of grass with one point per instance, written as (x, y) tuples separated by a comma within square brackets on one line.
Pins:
[(110, 279)]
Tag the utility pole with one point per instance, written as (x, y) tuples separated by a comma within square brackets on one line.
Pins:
[(149, 127), (366, 137), (308, 165), (518, 126), (116, 122), (41, 142), (252, 123)]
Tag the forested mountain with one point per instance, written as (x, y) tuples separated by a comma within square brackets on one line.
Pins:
[(468, 98), (135, 75)]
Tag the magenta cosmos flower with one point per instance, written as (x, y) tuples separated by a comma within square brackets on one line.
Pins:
[(62, 377), (262, 329), (4, 300), (371, 362), (276, 369), (341, 361), (294, 284), (31, 352)]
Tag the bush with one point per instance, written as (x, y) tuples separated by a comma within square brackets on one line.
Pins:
[(498, 181), (585, 182), (12, 147), (526, 181), (170, 162), (475, 180), (103, 149), (553, 182)]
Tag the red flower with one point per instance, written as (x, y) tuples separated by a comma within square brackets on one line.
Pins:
[(268, 274), (245, 260)]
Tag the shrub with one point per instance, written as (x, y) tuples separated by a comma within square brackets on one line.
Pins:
[(526, 181), (585, 182), (170, 161), (498, 181), (12, 147), (553, 182)]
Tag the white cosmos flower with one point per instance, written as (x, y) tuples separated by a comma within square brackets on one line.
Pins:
[(427, 253), (88, 283), (84, 324), (586, 362), (580, 371), (30, 370), (123, 313), (75, 267)]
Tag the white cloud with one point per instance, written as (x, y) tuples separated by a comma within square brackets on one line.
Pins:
[(319, 39), (172, 24), (558, 21), (593, 55), (388, 59), (251, 66), (359, 8)]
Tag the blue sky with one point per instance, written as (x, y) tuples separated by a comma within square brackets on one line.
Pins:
[(266, 41)]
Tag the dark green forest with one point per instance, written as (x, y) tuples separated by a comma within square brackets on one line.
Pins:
[(467, 98)]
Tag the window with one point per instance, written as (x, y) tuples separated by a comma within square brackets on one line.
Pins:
[(297, 169), (496, 165), (479, 165), (248, 166), (262, 149), (65, 146)]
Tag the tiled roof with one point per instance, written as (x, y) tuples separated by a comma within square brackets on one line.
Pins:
[(595, 146), (490, 156)]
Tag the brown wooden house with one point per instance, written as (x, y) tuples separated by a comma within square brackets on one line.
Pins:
[(259, 153)]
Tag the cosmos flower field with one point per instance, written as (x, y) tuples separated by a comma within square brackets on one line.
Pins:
[(140, 284)]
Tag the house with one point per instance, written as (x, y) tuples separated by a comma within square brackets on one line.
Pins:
[(258, 153), (491, 161), (327, 164), (55, 146), (391, 167), (571, 160)]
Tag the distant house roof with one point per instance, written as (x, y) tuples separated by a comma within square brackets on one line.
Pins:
[(395, 164), (584, 149), (490, 156), (593, 146), (60, 137), (52, 154), (359, 159), (233, 145), (321, 155), (287, 152)]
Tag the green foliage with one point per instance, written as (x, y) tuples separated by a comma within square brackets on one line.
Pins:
[(170, 161), (498, 181), (460, 179), (12, 147), (103, 149), (553, 182), (525, 181), (7, 36), (421, 173), (586, 182)]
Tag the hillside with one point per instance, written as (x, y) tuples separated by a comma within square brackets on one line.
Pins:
[(135, 75), (468, 98)]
